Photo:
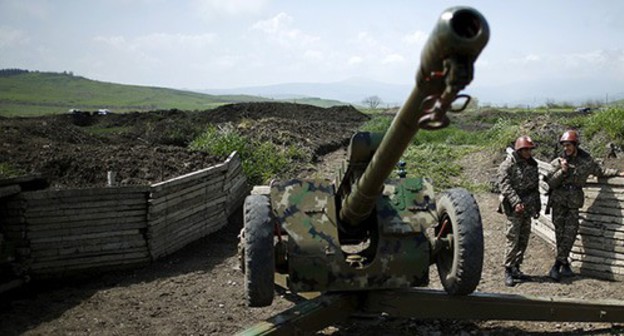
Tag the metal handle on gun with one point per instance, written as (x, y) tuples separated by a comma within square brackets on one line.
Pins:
[(457, 75)]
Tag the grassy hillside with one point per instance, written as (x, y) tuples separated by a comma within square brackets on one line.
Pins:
[(39, 93)]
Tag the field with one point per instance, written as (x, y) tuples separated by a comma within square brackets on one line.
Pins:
[(27, 93), (199, 291)]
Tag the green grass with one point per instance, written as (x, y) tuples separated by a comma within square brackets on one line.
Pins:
[(261, 161), (436, 154), (599, 128), (41, 93), (7, 170)]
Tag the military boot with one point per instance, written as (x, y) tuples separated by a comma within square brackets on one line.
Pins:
[(554, 271), (517, 274), (566, 271), (509, 280)]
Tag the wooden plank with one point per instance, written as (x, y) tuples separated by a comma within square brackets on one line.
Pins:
[(607, 256), (593, 217), (236, 184), (197, 223), (593, 243), (181, 224), (234, 170), (190, 177), (91, 235), (600, 195), (41, 246), (593, 263), (109, 193), (81, 231), (213, 184), (68, 202), (205, 194), (599, 189), (599, 271), (90, 262), (180, 214), (162, 247), (65, 271), (191, 184), (607, 229), (9, 190), (100, 224), (183, 213), (612, 181), (13, 220), (84, 213), (600, 232), (91, 204), (110, 215), (603, 211), (604, 203), (89, 250), (543, 232), (175, 225)]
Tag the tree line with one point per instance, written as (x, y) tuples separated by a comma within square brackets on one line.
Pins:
[(13, 72)]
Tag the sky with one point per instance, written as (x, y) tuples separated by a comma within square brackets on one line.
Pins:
[(538, 49)]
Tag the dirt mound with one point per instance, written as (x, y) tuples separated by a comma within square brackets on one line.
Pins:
[(77, 150)]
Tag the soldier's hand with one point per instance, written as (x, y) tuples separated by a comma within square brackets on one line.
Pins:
[(519, 208), (564, 165)]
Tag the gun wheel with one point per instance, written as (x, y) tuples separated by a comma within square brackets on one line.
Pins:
[(258, 254), (460, 231)]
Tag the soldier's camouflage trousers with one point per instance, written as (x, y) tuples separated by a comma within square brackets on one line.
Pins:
[(566, 222), (517, 234)]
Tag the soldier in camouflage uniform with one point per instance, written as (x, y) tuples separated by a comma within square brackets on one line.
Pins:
[(566, 179), (518, 181)]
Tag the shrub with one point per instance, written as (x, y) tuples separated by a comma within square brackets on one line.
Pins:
[(261, 161)]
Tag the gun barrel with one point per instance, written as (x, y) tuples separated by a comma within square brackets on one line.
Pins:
[(446, 67)]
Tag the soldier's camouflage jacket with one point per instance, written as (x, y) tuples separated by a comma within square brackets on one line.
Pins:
[(567, 188), (518, 181)]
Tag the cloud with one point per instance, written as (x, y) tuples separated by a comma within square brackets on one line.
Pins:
[(531, 58), (10, 37), (393, 58), (365, 40), (355, 60), (279, 29), (417, 38), (160, 42), (216, 8), (170, 56)]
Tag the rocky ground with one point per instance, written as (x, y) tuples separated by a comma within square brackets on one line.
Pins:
[(199, 290)]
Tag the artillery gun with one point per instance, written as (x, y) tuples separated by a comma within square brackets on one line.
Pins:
[(365, 241), (366, 232)]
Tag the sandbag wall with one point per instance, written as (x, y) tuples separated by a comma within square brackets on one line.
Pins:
[(599, 247), (64, 232)]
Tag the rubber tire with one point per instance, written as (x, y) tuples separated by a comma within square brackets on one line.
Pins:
[(460, 268), (259, 255)]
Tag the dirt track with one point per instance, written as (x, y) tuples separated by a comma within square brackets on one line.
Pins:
[(198, 291)]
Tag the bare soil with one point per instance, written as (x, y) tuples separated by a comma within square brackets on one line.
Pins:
[(199, 290)]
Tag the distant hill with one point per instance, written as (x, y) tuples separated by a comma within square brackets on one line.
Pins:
[(575, 91), (353, 91), (29, 93)]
